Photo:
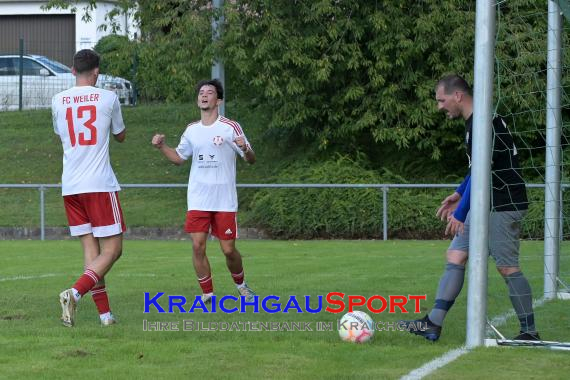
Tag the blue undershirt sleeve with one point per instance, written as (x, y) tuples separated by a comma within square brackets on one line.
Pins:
[(463, 208), (461, 188)]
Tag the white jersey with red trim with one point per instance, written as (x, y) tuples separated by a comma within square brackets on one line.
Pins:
[(212, 182), (84, 117)]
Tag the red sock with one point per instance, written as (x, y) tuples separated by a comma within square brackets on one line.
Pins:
[(238, 278), (99, 294), (86, 281), (206, 284)]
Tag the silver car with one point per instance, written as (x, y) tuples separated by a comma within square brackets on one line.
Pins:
[(43, 78)]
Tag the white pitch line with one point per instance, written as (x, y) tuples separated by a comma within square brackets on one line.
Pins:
[(22, 277), (435, 364), (136, 275), (449, 356), (502, 319)]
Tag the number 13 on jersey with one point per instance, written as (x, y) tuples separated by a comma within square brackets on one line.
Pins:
[(89, 112)]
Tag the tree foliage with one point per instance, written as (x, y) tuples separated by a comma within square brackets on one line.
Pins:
[(117, 55), (121, 8), (176, 48), (343, 72), (339, 75)]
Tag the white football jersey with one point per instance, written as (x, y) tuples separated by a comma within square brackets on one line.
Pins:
[(84, 117), (212, 182)]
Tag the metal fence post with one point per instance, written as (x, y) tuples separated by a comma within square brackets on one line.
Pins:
[(218, 68), (21, 72), (385, 213), (42, 213), (561, 232)]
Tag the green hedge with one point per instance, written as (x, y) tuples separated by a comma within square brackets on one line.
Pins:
[(305, 213), (339, 212), (320, 213)]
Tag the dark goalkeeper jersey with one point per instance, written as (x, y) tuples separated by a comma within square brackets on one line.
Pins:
[(509, 191)]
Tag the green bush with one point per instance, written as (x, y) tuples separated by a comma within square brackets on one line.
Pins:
[(118, 56), (320, 213), (411, 213), (349, 213), (341, 212)]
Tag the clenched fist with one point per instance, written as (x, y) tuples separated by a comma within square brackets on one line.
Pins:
[(158, 141), (240, 142)]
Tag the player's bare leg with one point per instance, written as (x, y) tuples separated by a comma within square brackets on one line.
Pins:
[(233, 257), (199, 258), (202, 265), (235, 266), (110, 251), (91, 251)]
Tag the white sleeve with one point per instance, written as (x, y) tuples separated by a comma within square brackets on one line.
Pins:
[(247, 143), (238, 132), (117, 123), (184, 148)]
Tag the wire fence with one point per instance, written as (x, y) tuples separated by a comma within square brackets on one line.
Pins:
[(29, 80), (382, 187)]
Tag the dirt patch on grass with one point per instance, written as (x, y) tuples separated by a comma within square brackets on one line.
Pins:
[(14, 317), (79, 353)]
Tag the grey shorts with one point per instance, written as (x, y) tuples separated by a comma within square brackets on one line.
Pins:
[(504, 232)]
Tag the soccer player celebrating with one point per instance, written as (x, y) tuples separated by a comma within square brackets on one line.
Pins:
[(508, 207), (213, 143), (84, 116)]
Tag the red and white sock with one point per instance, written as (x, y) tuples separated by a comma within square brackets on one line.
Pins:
[(238, 278), (87, 280), (99, 294), (206, 284)]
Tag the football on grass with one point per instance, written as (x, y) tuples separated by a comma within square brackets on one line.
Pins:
[(356, 327)]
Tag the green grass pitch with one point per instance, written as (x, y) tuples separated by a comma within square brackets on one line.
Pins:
[(33, 344)]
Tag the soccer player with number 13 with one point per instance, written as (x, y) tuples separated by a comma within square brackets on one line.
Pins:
[(84, 117)]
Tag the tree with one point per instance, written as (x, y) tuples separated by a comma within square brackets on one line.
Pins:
[(336, 75)]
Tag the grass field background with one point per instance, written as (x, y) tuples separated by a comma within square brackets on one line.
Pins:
[(34, 155), (33, 344)]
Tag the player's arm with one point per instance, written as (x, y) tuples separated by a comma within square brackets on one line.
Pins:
[(465, 203), (159, 142), (54, 109), (248, 153), (461, 188), (449, 204), (456, 221), (118, 129), (120, 137)]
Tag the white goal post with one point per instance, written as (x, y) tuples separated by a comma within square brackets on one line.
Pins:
[(485, 27)]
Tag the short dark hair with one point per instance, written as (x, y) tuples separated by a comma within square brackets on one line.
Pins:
[(85, 60), (454, 82), (212, 82)]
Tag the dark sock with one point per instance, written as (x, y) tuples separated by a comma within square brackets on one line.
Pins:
[(521, 298)]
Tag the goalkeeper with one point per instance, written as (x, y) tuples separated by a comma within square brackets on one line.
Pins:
[(509, 205)]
